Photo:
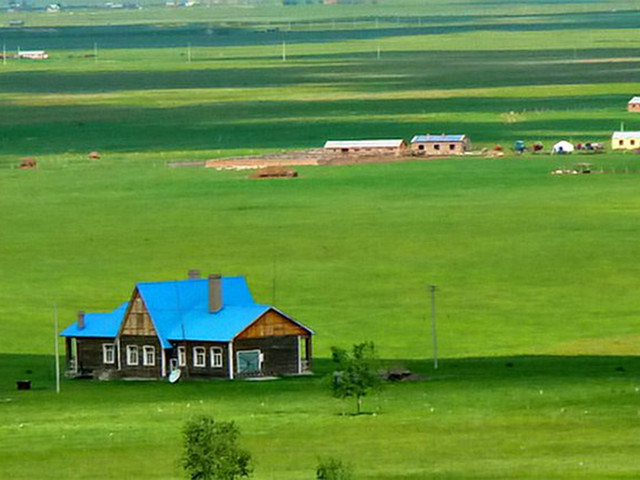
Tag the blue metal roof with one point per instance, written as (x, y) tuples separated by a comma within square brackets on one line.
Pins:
[(437, 138), (179, 310), (98, 324), (222, 326), (169, 303)]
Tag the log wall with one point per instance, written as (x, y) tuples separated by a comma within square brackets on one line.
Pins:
[(140, 370), (208, 370), (280, 353), (89, 355)]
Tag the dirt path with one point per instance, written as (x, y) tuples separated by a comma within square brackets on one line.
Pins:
[(299, 158)]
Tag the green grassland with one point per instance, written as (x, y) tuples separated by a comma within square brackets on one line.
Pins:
[(537, 274)]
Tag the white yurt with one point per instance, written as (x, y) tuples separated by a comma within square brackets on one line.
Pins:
[(563, 147)]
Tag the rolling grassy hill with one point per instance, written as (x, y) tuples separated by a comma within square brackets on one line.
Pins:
[(536, 274)]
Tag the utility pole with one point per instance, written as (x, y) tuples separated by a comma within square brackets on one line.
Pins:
[(4, 54), (273, 281), (378, 52), (55, 347), (189, 52), (434, 333), (284, 51)]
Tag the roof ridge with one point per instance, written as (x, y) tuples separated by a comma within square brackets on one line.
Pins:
[(184, 280)]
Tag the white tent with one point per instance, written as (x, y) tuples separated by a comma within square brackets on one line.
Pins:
[(562, 147)]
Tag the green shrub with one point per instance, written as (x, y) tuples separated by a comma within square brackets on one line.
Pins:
[(333, 469), (211, 451)]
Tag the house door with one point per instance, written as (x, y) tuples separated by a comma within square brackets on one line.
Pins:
[(249, 362), (173, 364)]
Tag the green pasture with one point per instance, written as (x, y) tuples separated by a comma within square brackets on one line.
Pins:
[(537, 274), (520, 418)]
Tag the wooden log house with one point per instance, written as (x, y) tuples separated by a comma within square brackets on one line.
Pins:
[(208, 328)]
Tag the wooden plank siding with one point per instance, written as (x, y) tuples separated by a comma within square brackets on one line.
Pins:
[(137, 320), (272, 324)]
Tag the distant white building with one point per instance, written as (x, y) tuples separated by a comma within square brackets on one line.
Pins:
[(363, 147), (625, 141), (563, 147), (634, 105), (33, 54)]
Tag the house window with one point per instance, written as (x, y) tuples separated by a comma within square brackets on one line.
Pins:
[(632, 142), (148, 355), (620, 142), (420, 147), (108, 353), (199, 357), (436, 146), (216, 357), (452, 146), (133, 357), (182, 356)]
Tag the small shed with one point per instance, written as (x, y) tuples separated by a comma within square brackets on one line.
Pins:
[(625, 140), (634, 105), (365, 147), (563, 147), (439, 144)]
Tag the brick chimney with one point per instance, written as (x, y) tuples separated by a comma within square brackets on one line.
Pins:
[(80, 320), (215, 292), (193, 275)]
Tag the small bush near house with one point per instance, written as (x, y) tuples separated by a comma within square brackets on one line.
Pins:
[(211, 451), (333, 469)]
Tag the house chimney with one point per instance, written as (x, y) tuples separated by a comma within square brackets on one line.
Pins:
[(215, 292), (193, 275), (80, 320)]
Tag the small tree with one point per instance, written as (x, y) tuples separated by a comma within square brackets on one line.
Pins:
[(211, 451), (356, 373), (333, 469)]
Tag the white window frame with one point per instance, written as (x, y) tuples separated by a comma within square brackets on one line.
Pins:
[(109, 349), (216, 357), (130, 350), (196, 351), (148, 349), (182, 356)]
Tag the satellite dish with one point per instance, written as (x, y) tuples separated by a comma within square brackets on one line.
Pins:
[(175, 375)]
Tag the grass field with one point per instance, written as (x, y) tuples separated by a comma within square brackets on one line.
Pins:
[(537, 275)]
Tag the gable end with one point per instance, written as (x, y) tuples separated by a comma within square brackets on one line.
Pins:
[(137, 320), (272, 324)]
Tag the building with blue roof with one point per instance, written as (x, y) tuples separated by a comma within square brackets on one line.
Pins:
[(440, 144), (194, 327)]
